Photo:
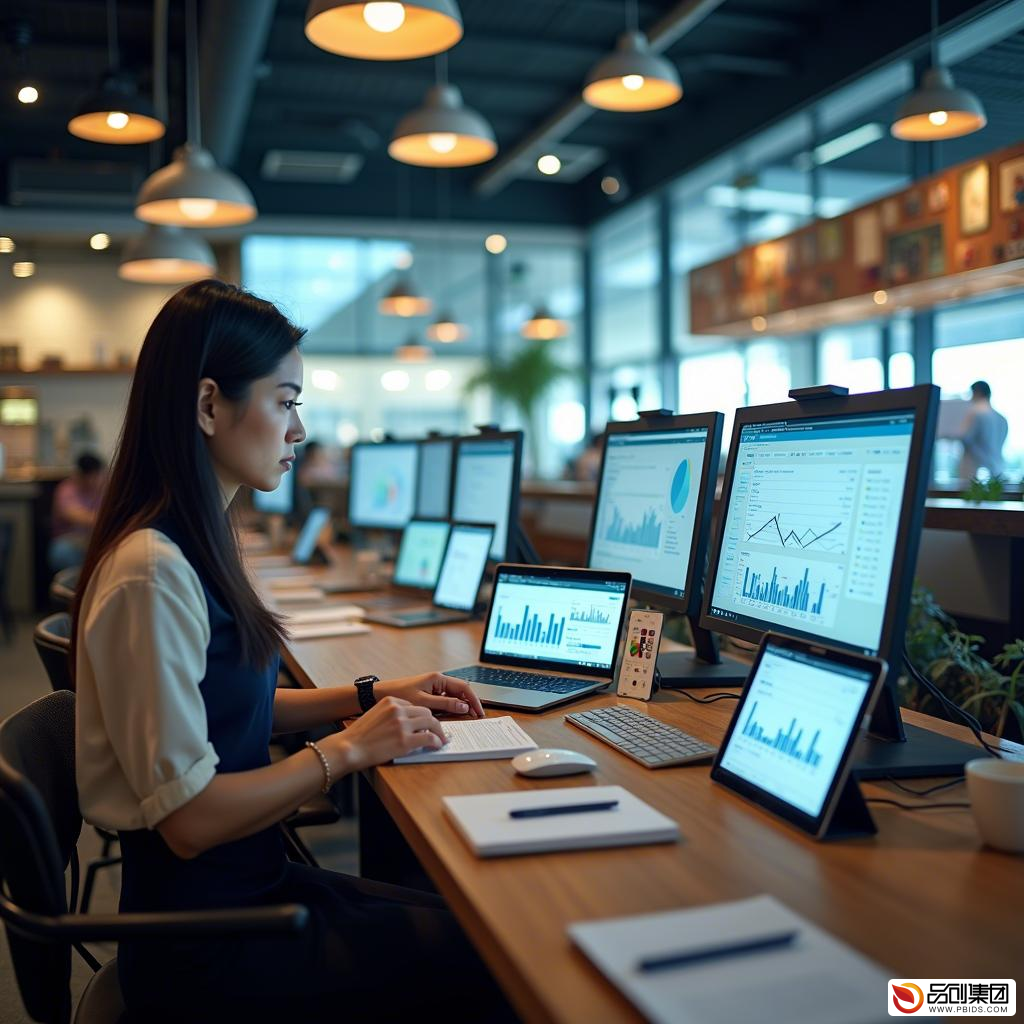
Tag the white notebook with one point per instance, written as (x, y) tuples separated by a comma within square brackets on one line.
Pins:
[(316, 630), (298, 595), (815, 980), (478, 739), (485, 824), (325, 613)]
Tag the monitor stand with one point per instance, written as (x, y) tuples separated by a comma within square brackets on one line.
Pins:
[(896, 750), (705, 666), (523, 550)]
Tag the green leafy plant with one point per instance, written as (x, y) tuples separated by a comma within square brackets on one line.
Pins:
[(523, 379), (991, 489)]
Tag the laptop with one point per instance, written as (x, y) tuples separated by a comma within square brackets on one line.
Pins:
[(552, 635), (458, 582), (417, 565), (305, 543)]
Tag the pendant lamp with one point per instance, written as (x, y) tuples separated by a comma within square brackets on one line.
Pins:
[(166, 255), (937, 109), (446, 329), (542, 326), (115, 113), (383, 31), (403, 300), (443, 132), (192, 191), (412, 352)]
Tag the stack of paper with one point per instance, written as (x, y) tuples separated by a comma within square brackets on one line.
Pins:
[(690, 966), (486, 824), (325, 613), (480, 739), (316, 630)]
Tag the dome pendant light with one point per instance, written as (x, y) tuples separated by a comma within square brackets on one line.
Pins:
[(632, 77), (166, 255), (403, 300), (542, 326), (443, 133), (116, 113), (383, 31), (192, 191), (937, 109), (446, 329)]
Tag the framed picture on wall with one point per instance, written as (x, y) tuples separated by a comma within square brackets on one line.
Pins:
[(974, 199), (1011, 185)]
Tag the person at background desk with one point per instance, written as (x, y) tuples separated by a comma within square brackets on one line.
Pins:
[(76, 502), (984, 434), (313, 468), (175, 660)]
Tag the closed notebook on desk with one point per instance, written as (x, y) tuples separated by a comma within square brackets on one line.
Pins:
[(484, 822)]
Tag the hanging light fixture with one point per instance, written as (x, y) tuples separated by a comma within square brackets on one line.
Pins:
[(403, 300), (542, 326), (192, 191), (115, 112), (446, 329), (413, 352), (632, 77), (383, 31), (443, 132), (166, 255), (937, 109)]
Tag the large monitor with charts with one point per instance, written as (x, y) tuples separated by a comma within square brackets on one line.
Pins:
[(433, 488), (652, 518), (817, 537), (486, 487), (382, 485)]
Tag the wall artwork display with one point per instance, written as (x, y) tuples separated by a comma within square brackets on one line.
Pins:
[(830, 240), (1011, 185), (938, 196), (890, 214), (867, 239), (974, 195), (914, 254)]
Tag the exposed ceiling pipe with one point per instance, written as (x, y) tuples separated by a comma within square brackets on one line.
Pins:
[(571, 114), (232, 41)]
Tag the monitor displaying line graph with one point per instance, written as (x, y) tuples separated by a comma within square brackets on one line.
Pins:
[(646, 510)]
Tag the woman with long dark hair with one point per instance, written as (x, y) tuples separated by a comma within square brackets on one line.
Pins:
[(176, 662)]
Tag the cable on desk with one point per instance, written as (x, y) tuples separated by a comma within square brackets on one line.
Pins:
[(972, 723), (929, 790), (711, 698), (911, 807)]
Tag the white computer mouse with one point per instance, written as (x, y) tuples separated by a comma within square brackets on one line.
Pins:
[(539, 764)]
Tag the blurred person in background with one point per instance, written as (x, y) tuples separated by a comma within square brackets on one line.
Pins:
[(76, 502), (984, 434)]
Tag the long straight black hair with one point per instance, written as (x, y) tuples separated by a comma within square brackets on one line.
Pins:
[(163, 468)]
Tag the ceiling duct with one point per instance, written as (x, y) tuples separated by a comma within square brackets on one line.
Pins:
[(310, 166)]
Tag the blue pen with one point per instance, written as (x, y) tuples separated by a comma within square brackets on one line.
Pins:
[(669, 960), (544, 812)]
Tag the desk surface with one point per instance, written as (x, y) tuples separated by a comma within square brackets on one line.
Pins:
[(922, 897)]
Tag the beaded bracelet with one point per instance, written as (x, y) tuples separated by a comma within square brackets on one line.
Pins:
[(323, 764)]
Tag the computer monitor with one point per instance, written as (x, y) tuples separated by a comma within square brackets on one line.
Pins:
[(382, 484), (434, 486), (486, 488), (280, 501), (420, 554), (652, 518), (462, 570), (817, 537)]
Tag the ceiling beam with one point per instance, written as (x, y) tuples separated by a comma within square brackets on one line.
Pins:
[(574, 111)]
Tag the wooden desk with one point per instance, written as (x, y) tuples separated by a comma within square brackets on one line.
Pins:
[(922, 897)]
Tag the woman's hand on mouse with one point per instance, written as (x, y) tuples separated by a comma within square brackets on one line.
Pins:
[(435, 691), (391, 728)]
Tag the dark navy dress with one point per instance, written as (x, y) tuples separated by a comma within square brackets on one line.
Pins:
[(363, 936)]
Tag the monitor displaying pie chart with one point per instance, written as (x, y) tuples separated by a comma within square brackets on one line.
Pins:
[(680, 489)]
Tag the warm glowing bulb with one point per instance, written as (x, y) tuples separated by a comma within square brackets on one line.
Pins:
[(24, 268), (6, 244), (634, 83), (445, 331), (28, 94), (495, 244), (441, 142), (384, 17), (759, 323), (610, 185), (549, 164), (99, 241), (880, 297), (198, 209), (117, 119), (938, 118)]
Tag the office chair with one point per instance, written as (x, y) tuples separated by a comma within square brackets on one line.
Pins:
[(6, 544), (39, 827), (62, 587)]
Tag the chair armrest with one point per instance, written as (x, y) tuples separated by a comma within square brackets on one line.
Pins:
[(285, 917)]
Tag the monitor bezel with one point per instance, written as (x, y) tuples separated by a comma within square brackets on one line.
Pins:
[(713, 422), (550, 571), (922, 401), (454, 525), (517, 463), (398, 556), (814, 825), (420, 444), (378, 445)]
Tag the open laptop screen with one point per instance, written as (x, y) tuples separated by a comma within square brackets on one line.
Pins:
[(420, 554), (569, 619), (462, 570)]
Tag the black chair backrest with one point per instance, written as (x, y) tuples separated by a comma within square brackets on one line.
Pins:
[(52, 638), (39, 827), (63, 586)]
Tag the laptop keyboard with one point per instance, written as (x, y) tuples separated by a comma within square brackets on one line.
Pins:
[(646, 740), (519, 680)]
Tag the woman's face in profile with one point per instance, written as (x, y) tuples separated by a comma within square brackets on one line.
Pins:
[(253, 443)]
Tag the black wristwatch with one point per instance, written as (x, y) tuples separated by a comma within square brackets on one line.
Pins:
[(364, 691)]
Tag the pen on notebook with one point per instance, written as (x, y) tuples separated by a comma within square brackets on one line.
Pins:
[(665, 961), (544, 812)]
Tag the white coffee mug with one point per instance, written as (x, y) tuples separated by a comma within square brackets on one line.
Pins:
[(996, 791)]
